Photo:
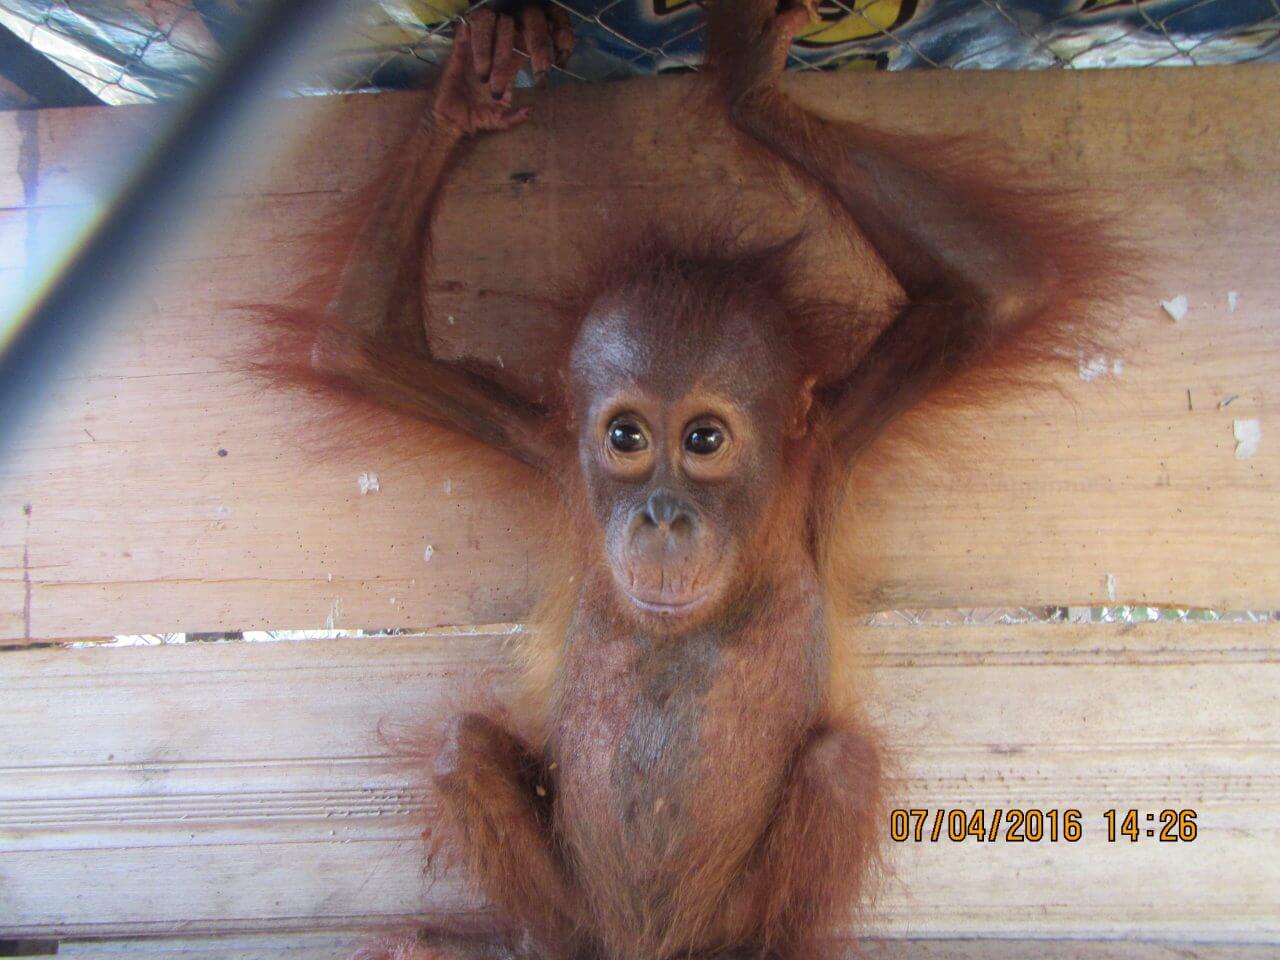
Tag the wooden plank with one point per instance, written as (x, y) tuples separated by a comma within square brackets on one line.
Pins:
[(334, 946), (138, 525), (291, 946), (1061, 950), (236, 788)]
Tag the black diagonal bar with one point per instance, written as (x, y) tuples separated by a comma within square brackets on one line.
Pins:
[(38, 76), (54, 325)]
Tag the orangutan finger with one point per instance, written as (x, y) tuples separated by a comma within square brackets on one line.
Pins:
[(793, 21), (561, 34), (537, 42), (513, 118), (459, 54), (506, 62), (482, 26)]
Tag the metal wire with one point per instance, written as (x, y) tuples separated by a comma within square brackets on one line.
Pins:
[(124, 51)]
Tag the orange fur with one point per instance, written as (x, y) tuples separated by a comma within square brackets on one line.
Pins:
[(706, 787)]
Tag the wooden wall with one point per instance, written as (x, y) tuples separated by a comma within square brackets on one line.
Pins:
[(243, 788), (239, 789)]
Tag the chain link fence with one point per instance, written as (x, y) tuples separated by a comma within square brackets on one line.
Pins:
[(129, 51)]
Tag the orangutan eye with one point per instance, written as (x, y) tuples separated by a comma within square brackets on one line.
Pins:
[(704, 441), (625, 435)]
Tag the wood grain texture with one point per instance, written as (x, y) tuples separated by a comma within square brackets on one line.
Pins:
[(138, 525), (338, 946), (235, 788)]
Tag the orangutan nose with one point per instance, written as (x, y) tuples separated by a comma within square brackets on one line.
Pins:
[(669, 513)]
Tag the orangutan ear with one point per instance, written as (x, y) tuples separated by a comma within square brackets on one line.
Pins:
[(804, 403)]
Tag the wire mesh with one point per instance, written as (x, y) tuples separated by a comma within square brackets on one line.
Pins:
[(127, 51)]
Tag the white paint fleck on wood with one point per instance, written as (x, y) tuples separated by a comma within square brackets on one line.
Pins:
[(1176, 307), (1248, 434)]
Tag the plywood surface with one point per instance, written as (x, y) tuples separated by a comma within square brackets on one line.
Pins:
[(233, 788), (118, 513)]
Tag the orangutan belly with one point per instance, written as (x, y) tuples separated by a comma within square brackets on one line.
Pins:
[(669, 759)]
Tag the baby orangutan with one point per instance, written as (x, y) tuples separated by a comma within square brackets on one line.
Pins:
[(695, 784)]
